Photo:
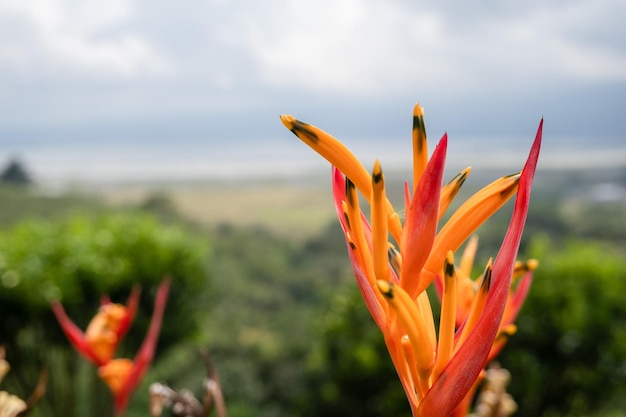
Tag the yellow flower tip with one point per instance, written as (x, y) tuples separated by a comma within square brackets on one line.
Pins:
[(350, 241), (486, 281), (115, 373), (448, 266), (302, 130), (288, 120), (394, 259), (513, 178), (385, 288), (462, 176), (346, 216), (420, 145), (418, 123), (377, 174), (451, 189), (522, 267), (504, 333), (458, 180), (351, 194), (509, 329), (532, 264), (511, 183)]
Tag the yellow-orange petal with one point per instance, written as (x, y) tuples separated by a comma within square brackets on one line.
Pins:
[(445, 348), (466, 220), (451, 189), (418, 385), (332, 150), (395, 260), (413, 323), (420, 145), (380, 237), (467, 259), (340, 156)]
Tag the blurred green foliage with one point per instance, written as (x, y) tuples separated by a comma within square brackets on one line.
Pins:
[(349, 369), (20, 203), (269, 300), (282, 317)]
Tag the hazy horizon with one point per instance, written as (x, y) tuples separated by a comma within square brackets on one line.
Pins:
[(187, 159)]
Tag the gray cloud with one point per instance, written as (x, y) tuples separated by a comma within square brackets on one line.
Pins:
[(74, 63)]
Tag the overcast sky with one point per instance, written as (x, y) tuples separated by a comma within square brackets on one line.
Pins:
[(227, 69)]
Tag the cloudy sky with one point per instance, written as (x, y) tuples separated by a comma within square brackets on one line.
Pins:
[(93, 71)]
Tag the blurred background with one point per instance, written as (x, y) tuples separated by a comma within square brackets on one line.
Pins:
[(139, 139)]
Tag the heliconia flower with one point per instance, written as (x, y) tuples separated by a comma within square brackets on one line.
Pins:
[(436, 372), (104, 332), (121, 375)]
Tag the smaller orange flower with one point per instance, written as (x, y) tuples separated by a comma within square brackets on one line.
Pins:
[(99, 343), (103, 335)]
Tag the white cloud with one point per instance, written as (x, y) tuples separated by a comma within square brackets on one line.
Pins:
[(345, 46), (579, 40), (67, 38), (336, 46), (377, 47), (70, 61)]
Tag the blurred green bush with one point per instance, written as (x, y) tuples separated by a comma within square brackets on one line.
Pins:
[(77, 261), (349, 369), (284, 320)]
